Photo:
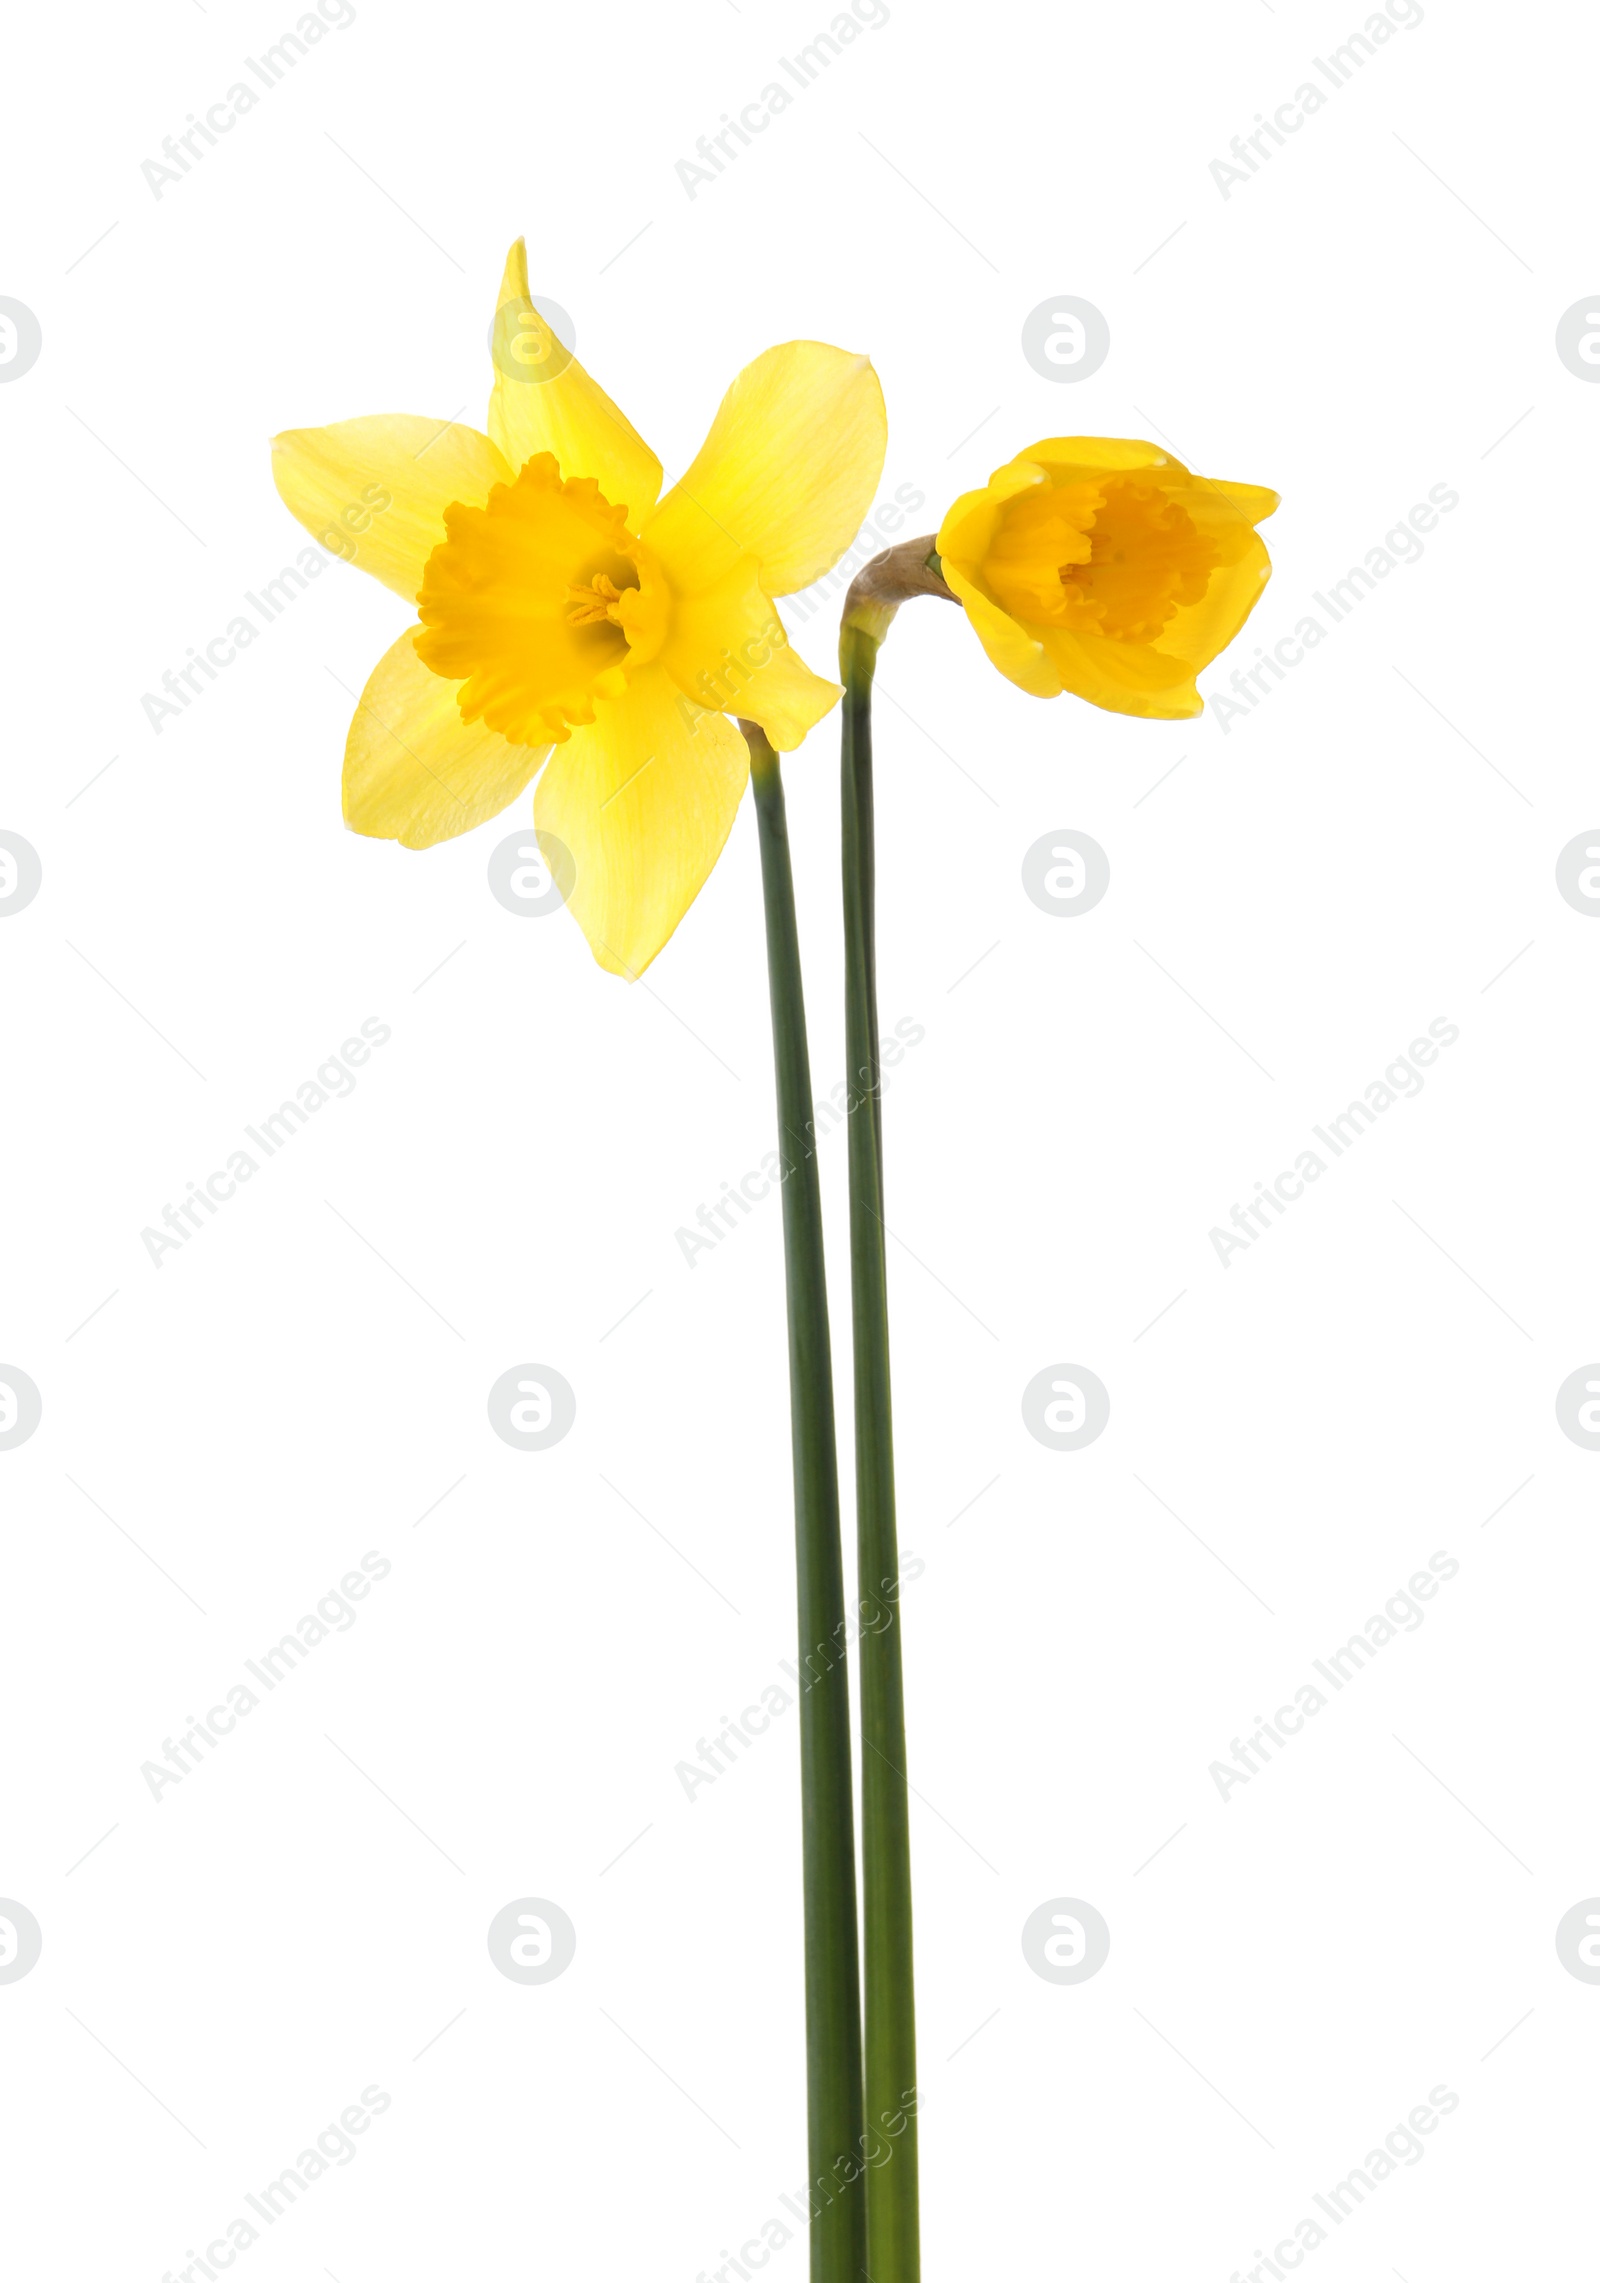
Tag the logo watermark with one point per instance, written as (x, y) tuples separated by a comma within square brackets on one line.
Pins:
[(1066, 874), (21, 874), (1065, 1406), (21, 1940), (532, 1940), (1065, 338), (531, 1406), (21, 339), (21, 1406), (1066, 1940)]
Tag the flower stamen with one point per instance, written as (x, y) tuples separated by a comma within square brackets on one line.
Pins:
[(594, 604)]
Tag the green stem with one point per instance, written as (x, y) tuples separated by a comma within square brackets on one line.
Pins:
[(835, 2124), (893, 2245)]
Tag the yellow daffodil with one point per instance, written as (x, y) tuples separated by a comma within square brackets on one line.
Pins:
[(572, 622), (1103, 567)]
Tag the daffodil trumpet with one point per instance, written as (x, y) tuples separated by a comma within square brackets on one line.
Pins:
[(1091, 565)]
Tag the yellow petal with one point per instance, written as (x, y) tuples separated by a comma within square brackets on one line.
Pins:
[(644, 801), (414, 771), (1074, 459), (1020, 656), (970, 522), (787, 699), (1254, 502), (1078, 456), (727, 650), (1122, 677), (967, 532), (544, 401), (374, 491), (786, 474), (1199, 632)]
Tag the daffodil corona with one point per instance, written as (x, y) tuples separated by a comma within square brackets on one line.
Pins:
[(1102, 567), (574, 626)]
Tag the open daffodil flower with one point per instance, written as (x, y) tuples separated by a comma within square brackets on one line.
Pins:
[(571, 621), (1103, 567)]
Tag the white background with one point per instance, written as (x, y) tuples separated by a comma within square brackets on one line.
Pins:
[(1368, 316)]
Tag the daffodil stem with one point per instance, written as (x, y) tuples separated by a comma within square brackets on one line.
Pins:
[(893, 2233), (833, 1973)]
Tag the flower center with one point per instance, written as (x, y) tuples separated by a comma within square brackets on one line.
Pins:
[(594, 604), (1117, 557), (539, 602)]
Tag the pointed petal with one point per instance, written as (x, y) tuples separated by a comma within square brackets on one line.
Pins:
[(727, 649), (786, 474), (544, 401), (414, 771), (644, 800), (1254, 502), (787, 698), (374, 491)]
